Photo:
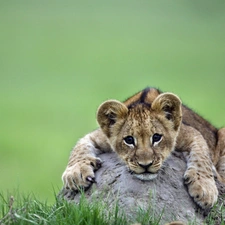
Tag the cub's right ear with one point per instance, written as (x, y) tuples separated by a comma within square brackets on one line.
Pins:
[(109, 113)]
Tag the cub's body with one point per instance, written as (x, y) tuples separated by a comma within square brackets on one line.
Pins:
[(143, 131)]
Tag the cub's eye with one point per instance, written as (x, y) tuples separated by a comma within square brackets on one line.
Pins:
[(156, 138), (129, 140)]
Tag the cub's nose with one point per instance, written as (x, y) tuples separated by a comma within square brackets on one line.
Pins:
[(145, 166)]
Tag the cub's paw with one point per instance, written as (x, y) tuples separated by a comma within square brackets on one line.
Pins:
[(81, 174), (201, 187)]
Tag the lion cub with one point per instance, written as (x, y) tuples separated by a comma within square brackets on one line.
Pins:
[(143, 131)]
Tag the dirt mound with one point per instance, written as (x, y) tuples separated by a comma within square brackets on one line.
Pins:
[(165, 193)]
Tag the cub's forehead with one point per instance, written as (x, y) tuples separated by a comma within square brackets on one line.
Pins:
[(140, 119), (139, 113)]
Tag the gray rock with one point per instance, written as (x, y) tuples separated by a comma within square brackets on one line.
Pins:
[(165, 193)]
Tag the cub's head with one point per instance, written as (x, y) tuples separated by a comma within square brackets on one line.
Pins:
[(142, 134)]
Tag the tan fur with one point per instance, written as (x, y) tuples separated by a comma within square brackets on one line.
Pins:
[(143, 131), (141, 122)]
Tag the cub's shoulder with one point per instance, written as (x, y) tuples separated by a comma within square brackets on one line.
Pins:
[(146, 96)]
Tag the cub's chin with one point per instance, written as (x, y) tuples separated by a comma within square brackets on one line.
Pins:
[(145, 176)]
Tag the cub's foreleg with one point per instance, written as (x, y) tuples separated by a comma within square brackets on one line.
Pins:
[(83, 160), (199, 174), (220, 153)]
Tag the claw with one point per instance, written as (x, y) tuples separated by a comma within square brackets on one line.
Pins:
[(91, 179), (187, 180), (99, 165)]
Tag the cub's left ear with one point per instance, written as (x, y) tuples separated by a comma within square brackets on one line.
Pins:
[(109, 114), (170, 105)]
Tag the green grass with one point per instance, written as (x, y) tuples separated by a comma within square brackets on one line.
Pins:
[(29, 210), (19, 209)]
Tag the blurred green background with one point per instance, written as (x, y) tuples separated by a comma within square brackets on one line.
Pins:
[(60, 59)]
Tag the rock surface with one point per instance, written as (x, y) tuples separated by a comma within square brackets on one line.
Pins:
[(165, 193)]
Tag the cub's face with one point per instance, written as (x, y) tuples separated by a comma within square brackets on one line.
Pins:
[(143, 141), (142, 135)]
